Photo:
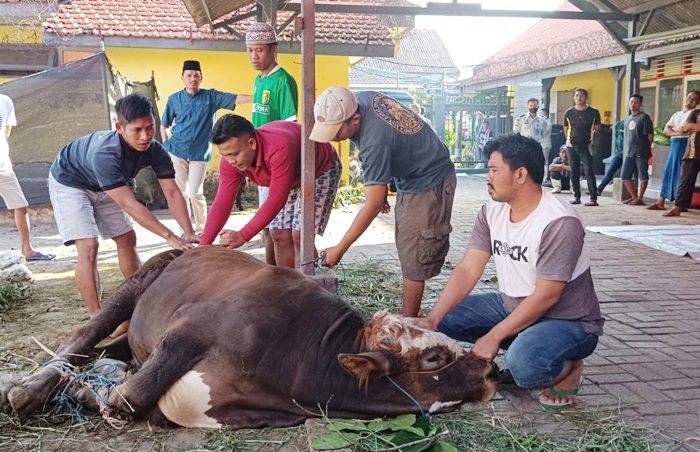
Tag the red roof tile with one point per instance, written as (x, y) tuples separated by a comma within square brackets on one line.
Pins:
[(547, 44), (168, 19)]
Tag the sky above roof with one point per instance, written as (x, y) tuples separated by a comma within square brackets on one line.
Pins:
[(470, 40)]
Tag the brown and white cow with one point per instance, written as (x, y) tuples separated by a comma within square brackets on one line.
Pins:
[(221, 338)]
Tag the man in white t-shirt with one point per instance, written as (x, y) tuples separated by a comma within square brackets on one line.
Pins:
[(546, 312), (10, 190)]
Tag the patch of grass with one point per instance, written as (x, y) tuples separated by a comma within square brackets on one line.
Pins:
[(588, 431), (13, 292), (369, 287), (266, 439), (348, 195)]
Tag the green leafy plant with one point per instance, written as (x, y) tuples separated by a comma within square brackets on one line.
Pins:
[(407, 433), (349, 195), (660, 137), (12, 292)]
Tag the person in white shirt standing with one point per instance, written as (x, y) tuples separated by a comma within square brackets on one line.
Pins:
[(10, 190)]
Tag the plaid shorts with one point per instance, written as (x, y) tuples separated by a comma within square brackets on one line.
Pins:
[(326, 188)]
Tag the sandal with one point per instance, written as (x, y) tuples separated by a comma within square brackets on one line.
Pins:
[(552, 393), (671, 213), (628, 200), (637, 203), (655, 207)]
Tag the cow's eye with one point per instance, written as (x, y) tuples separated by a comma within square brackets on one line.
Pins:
[(434, 359)]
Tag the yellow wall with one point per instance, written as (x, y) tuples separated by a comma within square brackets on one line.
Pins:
[(20, 34), (601, 89), (225, 71)]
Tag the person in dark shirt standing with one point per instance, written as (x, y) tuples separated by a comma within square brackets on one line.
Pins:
[(581, 125), (394, 143), (90, 197), (639, 134)]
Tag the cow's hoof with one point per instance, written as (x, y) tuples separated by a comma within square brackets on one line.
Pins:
[(31, 395)]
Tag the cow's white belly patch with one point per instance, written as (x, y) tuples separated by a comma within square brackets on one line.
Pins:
[(186, 402), (439, 405)]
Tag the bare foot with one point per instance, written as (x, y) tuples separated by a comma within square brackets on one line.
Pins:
[(564, 393)]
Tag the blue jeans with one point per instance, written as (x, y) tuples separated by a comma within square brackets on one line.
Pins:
[(615, 164), (535, 356)]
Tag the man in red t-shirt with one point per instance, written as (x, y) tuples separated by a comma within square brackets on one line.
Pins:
[(270, 156)]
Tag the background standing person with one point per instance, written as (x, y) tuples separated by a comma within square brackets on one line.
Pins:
[(639, 135), (679, 140), (537, 127), (394, 143), (90, 197), (617, 155), (189, 117), (691, 165), (581, 125), (10, 190), (274, 98)]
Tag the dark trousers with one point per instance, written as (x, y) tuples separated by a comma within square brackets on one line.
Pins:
[(577, 155), (689, 173)]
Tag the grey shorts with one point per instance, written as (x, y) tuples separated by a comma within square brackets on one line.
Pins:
[(423, 229), (10, 191), (86, 214), (326, 188)]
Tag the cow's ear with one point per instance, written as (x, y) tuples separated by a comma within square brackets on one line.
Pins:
[(364, 366)]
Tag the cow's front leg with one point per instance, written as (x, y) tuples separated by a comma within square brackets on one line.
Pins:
[(116, 309), (176, 355)]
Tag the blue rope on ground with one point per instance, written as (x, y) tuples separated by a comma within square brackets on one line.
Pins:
[(95, 380)]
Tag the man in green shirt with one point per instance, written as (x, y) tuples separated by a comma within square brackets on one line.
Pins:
[(274, 98)]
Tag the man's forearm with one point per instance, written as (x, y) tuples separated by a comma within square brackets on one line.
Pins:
[(178, 208), (528, 311), (145, 218), (460, 284), (362, 220)]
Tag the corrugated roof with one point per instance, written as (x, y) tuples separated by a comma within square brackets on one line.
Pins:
[(169, 19)]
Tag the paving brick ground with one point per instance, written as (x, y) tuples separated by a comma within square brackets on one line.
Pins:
[(647, 365)]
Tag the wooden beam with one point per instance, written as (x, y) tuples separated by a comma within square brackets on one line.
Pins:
[(458, 9), (648, 6), (616, 30)]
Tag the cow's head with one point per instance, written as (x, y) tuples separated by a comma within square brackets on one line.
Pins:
[(428, 364), (417, 349), (466, 379)]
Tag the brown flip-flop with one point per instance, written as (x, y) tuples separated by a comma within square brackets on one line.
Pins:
[(671, 213), (655, 207), (637, 203), (628, 200)]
